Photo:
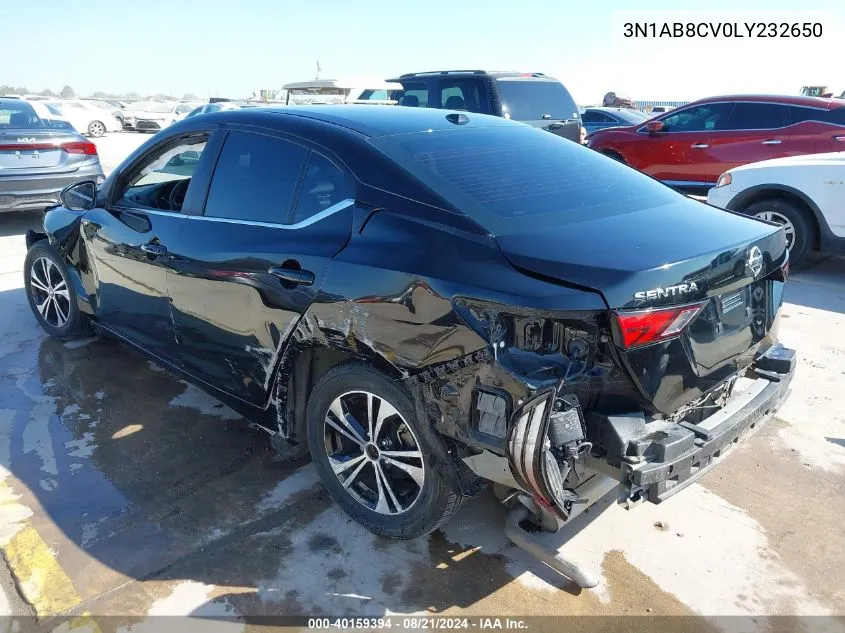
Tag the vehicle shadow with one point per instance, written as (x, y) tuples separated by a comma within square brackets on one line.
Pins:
[(134, 474), (818, 283), (18, 222)]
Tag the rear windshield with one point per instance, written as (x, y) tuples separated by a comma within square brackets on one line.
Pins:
[(18, 115), (509, 178), (532, 100)]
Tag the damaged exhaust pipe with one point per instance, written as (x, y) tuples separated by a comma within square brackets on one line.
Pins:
[(567, 568)]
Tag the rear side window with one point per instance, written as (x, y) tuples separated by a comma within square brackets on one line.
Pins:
[(468, 95), (591, 116), (255, 178), (759, 116), (321, 188), (508, 177), (533, 100), (835, 116), (18, 115)]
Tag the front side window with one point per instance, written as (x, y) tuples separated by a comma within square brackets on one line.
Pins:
[(702, 118), (161, 181), (255, 178), (374, 95), (759, 116), (321, 188)]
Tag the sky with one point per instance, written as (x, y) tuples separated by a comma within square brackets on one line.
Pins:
[(235, 48)]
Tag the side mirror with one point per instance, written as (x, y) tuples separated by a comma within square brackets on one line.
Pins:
[(79, 196), (653, 127)]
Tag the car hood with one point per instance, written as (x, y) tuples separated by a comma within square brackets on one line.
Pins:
[(830, 158), (656, 247)]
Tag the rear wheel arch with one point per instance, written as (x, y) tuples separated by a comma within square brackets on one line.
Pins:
[(302, 366), (745, 200)]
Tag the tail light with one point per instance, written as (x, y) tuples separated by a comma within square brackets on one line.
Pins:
[(80, 147), (641, 327), (71, 147)]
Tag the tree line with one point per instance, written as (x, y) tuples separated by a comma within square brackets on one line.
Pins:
[(67, 92)]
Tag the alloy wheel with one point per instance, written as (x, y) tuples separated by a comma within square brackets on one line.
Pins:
[(96, 129), (49, 292), (374, 452), (778, 218)]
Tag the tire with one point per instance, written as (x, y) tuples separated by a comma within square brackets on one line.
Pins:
[(789, 213), (420, 498), (96, 129), (44, 269)]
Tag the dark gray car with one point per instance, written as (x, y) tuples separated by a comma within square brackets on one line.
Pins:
[(39, 156)]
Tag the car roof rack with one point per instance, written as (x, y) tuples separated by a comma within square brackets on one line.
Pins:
[(444, 72)]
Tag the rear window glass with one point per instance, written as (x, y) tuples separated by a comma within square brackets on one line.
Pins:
[(511, 177), (18, 116), (532, 100), (758, 116), (414, 95)]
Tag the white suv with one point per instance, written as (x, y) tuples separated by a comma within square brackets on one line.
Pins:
[(805, 193)]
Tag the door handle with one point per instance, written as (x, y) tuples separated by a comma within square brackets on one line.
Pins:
[(555, 126), (156, 250), (699, 146), (293, 276), (771, 141)]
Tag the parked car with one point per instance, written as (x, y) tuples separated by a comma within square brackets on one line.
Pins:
[(689, 147), (157, 115), (531, 98), (355, 90), (804, 194), (598, 118), (553, 342), (88, 119), (39, 156), (108, 106), (220, 106)]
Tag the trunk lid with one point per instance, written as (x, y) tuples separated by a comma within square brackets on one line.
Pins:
[(38, 151), (673, 255)]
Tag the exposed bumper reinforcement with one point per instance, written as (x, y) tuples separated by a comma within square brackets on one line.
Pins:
[(660, 479)]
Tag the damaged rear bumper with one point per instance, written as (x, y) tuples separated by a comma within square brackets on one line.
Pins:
[(696, 448), (652, 459)]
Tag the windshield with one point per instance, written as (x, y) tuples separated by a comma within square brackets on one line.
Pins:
[(19, 115), (533, 99), (160, 107), (510, 178)]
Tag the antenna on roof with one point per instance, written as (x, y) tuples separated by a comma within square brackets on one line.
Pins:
[(317, 76)]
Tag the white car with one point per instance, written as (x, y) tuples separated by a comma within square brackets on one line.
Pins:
[(157, 115), (804, 193), (86, 118)]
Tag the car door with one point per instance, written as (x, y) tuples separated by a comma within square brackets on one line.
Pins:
[(681, 153), (755, 131), (128, 238), (247, 269)]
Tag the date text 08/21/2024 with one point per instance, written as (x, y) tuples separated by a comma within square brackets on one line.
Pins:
[(418, 623)]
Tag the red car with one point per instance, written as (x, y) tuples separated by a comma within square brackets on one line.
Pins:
[(689, 147)]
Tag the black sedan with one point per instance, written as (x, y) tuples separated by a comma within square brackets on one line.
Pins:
[(427, 301)]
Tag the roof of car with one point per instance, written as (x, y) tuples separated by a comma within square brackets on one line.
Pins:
[(370, 120), (813, 102), (491, 73)]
